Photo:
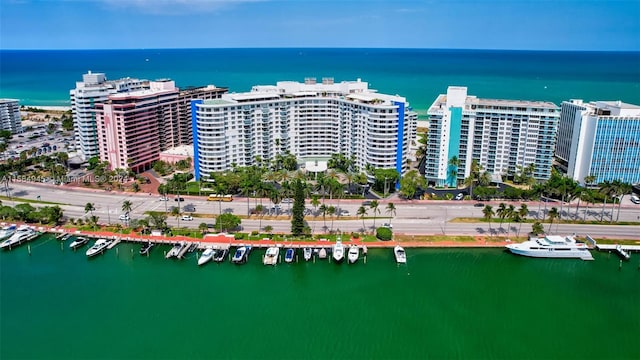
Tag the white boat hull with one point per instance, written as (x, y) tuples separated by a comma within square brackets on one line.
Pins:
[(551, 253), (400, 255)]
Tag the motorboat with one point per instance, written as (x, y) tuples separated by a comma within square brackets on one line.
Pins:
[(401, 256), (146, 248), (206, 256), (79, 242), (7, 231), (308, 253), (220, 255), (22, 234), (289, 255), (552, 246), (338, 252), (63, 237), (271, 256), (353, 254), (622, 253), (241, 255), (175, 250), (98, 247), (322, 254)]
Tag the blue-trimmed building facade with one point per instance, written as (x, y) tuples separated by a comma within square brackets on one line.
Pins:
[(601, 139), (309, 120), (501, 135)]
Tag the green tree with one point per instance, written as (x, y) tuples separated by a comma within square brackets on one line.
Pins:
[(410, 183), (127, 206), (175, 211), (454, 163), (297, 213), (260, 213), (331, 211), (502, 213), (203, 227), (268, 229), (510, 212), (228, 222)]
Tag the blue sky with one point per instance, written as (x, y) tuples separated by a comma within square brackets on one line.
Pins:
[(454, 24)]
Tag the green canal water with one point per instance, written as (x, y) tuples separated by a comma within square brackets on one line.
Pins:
[(445, 303)]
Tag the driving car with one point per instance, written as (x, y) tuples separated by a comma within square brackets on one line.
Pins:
[(179, 199), (187, 218)]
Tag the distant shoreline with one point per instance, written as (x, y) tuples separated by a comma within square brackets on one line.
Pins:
[(46, 107)]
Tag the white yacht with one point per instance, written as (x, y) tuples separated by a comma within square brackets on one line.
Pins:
[(98, 247), (552, 246), (401, 256), (206, 256), (353, 254), (271, 256), (338, 252), (21, 235), (7, 231)]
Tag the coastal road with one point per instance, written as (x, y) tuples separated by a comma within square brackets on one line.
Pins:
[(412, 218)]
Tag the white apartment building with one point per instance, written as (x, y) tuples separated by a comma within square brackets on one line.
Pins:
[(310, 120), (500, 134), (10, 116), (95, 88), (600, 138)]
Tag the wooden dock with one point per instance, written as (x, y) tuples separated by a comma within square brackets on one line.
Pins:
[(113, 243), (183, 251), (612, 247)]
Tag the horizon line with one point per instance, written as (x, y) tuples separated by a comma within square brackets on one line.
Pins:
[(324, 48)]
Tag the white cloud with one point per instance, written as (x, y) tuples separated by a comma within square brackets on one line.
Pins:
[(175, 7)]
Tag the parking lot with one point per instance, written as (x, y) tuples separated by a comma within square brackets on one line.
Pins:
[(35, 141)]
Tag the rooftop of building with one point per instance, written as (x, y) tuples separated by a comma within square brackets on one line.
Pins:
[(357, 91), (185, 150), (608, 108), (7, 101), (493, 104)]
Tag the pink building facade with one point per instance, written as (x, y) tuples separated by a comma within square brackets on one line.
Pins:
[(134, 127)]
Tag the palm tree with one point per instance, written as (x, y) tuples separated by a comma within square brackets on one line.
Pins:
[(260, 211), (523, 211), (94, 221), (488, 213), (374, 206), (127, 206), (553, 213), (511, 211), (623, 189), (203, 227), (315, 203), (362, 212), (175, 211), (454, 162), (89, 207), (606, 188), (331, 210), (502, 213), (391, 210), (323, 210)]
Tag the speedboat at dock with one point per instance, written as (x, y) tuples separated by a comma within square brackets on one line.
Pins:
[(552, 246), (308, 253), (241, 255), (622, 253), (146, 248), (22, 234), (63, 237), (353, 254), (98, 247), (220, 255), (78, 242), (401, 256), (271, 256), (338, 252), (322, 254), (206, 256), (175, 250), (289, 255)]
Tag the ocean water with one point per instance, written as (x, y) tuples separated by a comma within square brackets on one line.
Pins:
[(445, 303), (45, 77)]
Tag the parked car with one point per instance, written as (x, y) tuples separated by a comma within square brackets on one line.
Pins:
[(460, 196)]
